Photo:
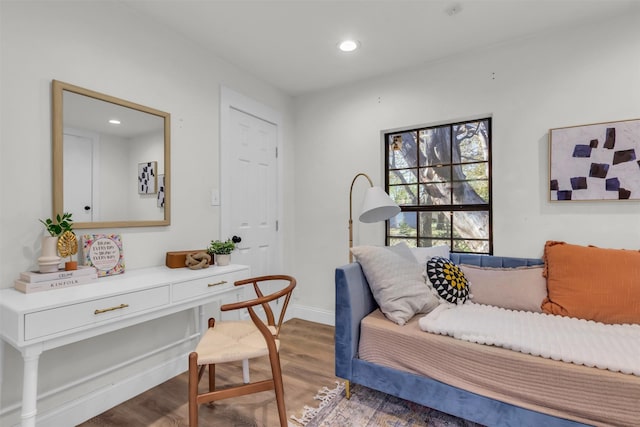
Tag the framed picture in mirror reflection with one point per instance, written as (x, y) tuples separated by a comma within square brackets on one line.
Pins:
[(147, 178), (160, 203)]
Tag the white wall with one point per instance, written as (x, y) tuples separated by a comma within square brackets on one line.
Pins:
[(576, 76), (109, 48)]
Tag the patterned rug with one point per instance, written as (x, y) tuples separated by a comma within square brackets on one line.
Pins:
[(370, 408)]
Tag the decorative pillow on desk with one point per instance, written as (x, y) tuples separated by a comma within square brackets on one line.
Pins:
[(447, 280), (517, 288), (396, 283)]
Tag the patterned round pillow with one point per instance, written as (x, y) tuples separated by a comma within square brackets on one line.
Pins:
[(447, 280)]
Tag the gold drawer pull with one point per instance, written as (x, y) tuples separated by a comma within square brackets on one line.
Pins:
[(105, 310), (222, 282)]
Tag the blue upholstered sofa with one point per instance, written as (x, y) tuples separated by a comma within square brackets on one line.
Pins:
[(354, 301)]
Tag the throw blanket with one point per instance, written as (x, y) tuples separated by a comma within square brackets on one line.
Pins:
[(583, 342)]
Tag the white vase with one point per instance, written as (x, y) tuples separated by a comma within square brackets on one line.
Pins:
[(49, 260), (223, 259)]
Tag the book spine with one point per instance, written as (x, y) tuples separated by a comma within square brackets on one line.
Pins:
[(33, 277), (27, 287)]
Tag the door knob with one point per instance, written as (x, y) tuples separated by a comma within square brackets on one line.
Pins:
[(236, 239), (87, 208)]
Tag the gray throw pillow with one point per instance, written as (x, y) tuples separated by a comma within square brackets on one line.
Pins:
[(403, 250), (397, 283)]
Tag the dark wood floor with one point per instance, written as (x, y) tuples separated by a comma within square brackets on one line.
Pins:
[(307, 359)]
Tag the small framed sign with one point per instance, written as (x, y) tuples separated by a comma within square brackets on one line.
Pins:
[(104, 252)]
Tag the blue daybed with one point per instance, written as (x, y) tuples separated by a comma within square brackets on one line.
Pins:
[(354, 301)]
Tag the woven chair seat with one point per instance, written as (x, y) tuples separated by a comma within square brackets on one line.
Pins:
[(232, 340)]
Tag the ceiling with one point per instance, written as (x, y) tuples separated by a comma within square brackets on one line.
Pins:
[(293, 44), (84, 112)]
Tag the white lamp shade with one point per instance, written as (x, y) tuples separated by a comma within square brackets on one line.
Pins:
[(378, 206)]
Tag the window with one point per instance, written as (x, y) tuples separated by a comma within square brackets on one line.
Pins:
[(440, 176)]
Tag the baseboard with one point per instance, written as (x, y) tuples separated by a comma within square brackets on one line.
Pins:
[(95, 403), (311, 314)]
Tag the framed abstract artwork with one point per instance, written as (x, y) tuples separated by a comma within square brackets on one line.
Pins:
[(147, 177), (599, 161)]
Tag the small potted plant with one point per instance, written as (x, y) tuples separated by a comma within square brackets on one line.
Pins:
[(221, 250), (61, 239)]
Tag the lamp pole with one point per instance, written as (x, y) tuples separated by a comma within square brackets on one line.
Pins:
[(351, 211)]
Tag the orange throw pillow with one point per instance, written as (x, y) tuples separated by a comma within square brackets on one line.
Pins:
[(592, 283)]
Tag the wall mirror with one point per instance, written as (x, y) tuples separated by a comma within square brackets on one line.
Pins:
[(111, 160)]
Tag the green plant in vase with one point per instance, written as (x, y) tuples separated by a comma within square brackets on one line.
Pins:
[(63, 223), (222, 250), (66, 241)]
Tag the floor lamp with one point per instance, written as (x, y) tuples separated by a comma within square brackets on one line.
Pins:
[(377, 206)]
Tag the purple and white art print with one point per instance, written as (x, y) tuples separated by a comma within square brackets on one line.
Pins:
[(595, 162)]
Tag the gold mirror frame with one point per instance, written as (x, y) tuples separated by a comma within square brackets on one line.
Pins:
[(58, 89)]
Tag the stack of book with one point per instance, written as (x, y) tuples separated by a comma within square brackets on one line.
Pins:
[(34, 281)]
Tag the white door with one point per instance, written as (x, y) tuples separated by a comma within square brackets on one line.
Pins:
[(78, 176), (249, 193), (252, 195)]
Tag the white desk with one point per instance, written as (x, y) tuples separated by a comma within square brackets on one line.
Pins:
[(33, 323)]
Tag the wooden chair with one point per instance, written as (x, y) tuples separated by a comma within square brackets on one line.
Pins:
[(228, 341)]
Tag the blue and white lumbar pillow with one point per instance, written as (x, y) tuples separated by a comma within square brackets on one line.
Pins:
[(447, 280)]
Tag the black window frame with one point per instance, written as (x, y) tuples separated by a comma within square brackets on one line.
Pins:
[(450, 208)]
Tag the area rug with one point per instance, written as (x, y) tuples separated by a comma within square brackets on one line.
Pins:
[(370, 408)]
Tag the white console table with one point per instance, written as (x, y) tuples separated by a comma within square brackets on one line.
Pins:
[(33, 323)]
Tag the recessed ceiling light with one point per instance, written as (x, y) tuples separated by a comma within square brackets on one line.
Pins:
[(348, 45), (114, 121)]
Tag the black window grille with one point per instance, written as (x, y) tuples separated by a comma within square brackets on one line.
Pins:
[(440, 176)]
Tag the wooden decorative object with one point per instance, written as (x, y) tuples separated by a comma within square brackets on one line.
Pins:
[(177, 259)]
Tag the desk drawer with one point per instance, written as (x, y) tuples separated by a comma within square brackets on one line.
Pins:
[(209, 285), (60, 319)]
